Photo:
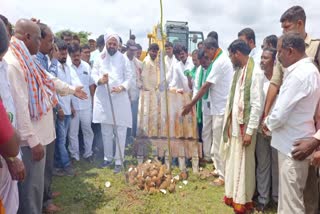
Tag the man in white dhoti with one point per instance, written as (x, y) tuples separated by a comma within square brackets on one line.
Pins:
[(241, 121), (114, 69)]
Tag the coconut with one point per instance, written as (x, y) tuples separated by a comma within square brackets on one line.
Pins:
[(161, 171), (148, 180), (172, 188), (164, 185), (177, 178), (154, 179), (154, 172), (184, 175), (158, 182), (134, 172), (153, 190), (152, 184), (146, 187), (163, 191), (132, 181), (168, 177), (139, 177), (141, 186)]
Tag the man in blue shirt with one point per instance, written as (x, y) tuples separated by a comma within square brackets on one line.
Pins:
[(45, 48)]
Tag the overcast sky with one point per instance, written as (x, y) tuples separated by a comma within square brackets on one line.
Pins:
[(227, 17)]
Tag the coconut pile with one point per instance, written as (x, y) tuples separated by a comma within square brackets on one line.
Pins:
[(153, 177)]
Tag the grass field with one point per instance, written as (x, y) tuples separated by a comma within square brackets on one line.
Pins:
[(86, 193)]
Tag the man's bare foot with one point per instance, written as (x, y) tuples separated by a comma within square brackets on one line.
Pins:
[(52, 208), (56, 194)]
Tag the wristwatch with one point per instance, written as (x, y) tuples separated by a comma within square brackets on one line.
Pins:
[(10, 159)]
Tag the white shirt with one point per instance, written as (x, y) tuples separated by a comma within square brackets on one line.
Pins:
[(94, 56), (169, 62), (255, 102), (256, 53), (120, 74), (136, 66), (293, 114), (68, 75), (83, 72), (5, 91), (220, 78), (179, 79), (265, 88)]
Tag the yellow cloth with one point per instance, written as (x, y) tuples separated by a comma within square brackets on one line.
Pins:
[(150, 74), (152, 120)]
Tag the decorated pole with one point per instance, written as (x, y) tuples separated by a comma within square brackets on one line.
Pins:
[(165, 84)]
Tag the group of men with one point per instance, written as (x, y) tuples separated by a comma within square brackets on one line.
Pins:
[(48, 87), (257, 111)]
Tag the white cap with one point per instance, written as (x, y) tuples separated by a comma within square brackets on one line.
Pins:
[(91, 37)]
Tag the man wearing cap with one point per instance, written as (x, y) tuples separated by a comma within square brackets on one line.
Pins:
[(114, 69), (134, 91), (95, 53), (92, 43)]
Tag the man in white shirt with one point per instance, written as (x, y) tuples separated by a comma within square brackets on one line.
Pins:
[(92, 43), (248, 35), (12, 169), (66, 74), (213, 86), (34, 122), (85, 53), (96, 53), (180, 81), (169, 58), (293, 118), (294, 20), (134, 91), (113, 68), (83, 108)]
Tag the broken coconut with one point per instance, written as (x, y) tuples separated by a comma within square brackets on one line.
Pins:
[(108, 184)]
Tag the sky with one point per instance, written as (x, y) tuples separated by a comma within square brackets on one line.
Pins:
[(227, 17)]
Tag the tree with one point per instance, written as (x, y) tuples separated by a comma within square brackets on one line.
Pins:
[(83, 35)]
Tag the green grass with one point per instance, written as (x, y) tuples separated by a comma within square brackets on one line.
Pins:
[(86, 193)]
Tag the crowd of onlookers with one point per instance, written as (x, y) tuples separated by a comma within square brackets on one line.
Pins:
[(256, 110)]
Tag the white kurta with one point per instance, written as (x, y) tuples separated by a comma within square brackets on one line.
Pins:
[(5, 93), (170, 62), (120, 74), (83, 72), (179, 79), (136, 66), (68, 75)]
